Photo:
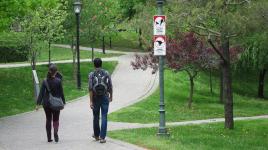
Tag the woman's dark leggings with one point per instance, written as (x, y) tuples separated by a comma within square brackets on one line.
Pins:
[(52, 115)]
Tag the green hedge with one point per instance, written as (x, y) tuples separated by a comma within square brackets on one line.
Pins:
[(13, 47)]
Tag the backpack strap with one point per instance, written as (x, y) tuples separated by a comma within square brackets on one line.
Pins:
[(94, 75)]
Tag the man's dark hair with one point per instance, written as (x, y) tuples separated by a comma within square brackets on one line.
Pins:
[(97, 62)]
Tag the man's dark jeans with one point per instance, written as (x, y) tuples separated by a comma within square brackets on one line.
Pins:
[(100, 103)]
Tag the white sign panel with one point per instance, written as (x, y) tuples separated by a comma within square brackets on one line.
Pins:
[(160, 25), (160, 45)]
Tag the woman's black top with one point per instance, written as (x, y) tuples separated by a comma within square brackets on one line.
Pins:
[(56, 90)]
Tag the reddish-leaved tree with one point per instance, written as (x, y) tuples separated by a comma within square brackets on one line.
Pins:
[(186, 52)]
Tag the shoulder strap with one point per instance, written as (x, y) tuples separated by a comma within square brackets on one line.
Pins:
[(47, 86), (104, 72)]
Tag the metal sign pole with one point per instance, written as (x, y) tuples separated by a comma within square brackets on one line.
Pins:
[(162, 123)]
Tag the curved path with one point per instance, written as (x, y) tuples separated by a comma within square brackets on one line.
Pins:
[(27, 131)]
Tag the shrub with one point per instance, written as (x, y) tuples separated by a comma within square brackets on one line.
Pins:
[(13, 47)]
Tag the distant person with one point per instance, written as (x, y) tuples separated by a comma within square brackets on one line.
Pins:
[(55, 86), (100, 94)]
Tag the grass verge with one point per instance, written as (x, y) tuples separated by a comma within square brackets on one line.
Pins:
[(17, 88), (251, 134), (205, 104)]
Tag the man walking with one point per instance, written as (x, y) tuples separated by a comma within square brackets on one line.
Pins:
[(100, 95)]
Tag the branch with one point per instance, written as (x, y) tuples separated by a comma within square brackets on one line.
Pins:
[(232, 35), (195, 74), (217, 51), (190, 73), (238, 3), (208, 30), (200, 34)]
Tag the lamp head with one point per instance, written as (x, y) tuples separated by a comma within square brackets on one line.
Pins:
[(159, 2), (77, 7)]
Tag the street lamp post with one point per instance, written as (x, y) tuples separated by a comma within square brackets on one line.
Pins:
[(162, 131), (77, 10)]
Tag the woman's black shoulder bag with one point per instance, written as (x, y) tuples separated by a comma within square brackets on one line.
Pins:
[(55, 103)]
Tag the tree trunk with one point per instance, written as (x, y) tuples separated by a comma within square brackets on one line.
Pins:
[(103, 44), (261, 83), (191, 92), (191, 75), (140, 40), (221, 84), (33, 60), (33, 64), (92, 53), (110, 38), (210, 80), (227, 86), (33, 54), (49, 53)]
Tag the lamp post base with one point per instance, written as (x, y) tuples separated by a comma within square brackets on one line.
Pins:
[(163, 132)]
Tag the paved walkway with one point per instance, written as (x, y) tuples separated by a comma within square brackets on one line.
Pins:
[(27, 131)]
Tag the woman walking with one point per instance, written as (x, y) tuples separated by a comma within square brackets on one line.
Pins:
[(51, 85)]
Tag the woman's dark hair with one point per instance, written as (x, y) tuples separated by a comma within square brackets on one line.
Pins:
[(52, 70), (97, 62)]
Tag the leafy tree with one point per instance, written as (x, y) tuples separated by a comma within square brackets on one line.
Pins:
[(70, 35), (99, 19), (11, 11), (128, 8), (34, 26), (221, 19), (189, 54), (143, 22), (54, 29), (40, 25), (255, 56)]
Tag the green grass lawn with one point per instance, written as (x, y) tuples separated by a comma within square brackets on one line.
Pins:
[(124, 41), (246, 135), (58, 53), (17, 88), (205, 104)]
